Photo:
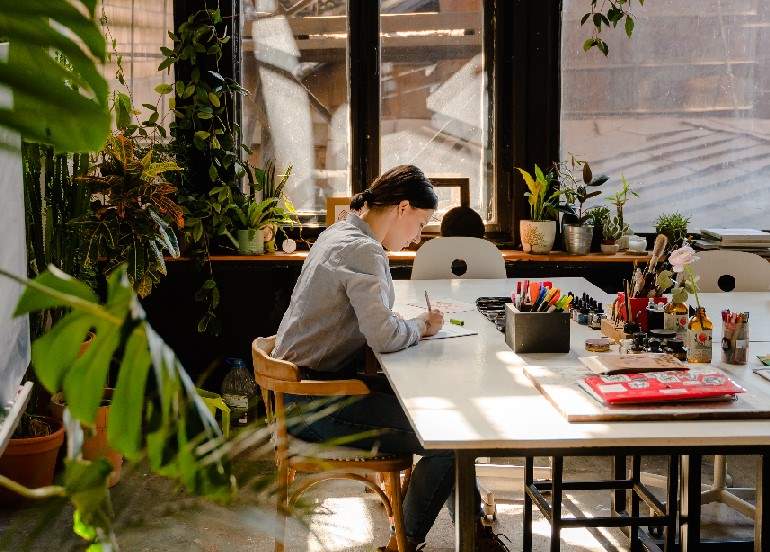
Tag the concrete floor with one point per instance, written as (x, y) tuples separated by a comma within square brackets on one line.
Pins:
[(151, 515)]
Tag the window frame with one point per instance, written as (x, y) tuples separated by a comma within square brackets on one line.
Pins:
[(521, 45)]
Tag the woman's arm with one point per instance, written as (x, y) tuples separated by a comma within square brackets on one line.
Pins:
[(364, 274)]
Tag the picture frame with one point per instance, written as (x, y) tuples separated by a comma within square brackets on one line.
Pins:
[(337, 208)]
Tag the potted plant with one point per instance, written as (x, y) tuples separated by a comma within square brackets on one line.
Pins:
[(132, 212), (612, 230), (539, 232), (251, 217), (578, 233), (619, 200), (598, 216), (271, 188), (30, 457), (674, 227)]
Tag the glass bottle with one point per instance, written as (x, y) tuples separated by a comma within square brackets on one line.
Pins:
[(675, 318), (698, 341), (239, 390)]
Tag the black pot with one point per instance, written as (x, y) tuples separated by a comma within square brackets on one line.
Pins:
[(596, 242)]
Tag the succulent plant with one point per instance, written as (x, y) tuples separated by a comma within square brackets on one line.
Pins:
[(613, 228)]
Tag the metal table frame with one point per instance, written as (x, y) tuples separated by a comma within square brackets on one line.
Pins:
[(687, 516)]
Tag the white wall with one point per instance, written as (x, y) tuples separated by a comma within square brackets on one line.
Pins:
[(14, 332)]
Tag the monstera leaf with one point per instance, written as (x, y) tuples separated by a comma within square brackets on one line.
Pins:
[(59, 97)]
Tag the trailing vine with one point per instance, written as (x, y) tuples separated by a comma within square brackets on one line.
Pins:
[(616, 11), (206, 142)]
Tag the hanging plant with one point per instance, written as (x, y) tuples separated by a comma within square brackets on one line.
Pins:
[(609, 14), (205, 142)]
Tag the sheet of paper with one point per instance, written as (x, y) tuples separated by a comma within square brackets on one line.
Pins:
[(447, 306), (450, 330)]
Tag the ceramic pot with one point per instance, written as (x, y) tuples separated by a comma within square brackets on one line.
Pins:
[(577, 238), (95, 442), (31, 461), (537, 236), (251, 242), (610, 248)]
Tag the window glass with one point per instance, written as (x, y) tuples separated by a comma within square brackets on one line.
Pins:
[(140, 28), (682, 109), (294, 66), (435, 99)]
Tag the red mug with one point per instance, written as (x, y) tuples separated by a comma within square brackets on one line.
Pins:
[(638, 308)]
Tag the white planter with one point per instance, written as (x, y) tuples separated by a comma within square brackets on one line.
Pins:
[(537, 236), (251, 242), (610, 249)]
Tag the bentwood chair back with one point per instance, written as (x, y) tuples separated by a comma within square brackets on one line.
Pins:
[(279, 377), (727, 271)]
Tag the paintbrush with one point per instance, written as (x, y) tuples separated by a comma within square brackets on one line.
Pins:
[(647, 286)]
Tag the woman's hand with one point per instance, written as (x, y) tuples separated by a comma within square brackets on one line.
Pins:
[(434, 320)]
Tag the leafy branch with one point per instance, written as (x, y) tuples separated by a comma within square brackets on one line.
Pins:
[(618, 10)]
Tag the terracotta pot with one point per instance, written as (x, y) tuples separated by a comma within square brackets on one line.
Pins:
[(31, 461), (610, 248), (537, 236), (95, 444)]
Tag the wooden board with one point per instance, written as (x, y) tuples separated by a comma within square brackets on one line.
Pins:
[(560, 387)]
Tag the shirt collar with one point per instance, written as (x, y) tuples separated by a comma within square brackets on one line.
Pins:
[(361, 224)]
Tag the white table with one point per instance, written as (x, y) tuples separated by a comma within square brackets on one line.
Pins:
[(470, 395)]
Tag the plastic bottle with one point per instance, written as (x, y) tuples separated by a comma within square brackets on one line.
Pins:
[(239, 390)]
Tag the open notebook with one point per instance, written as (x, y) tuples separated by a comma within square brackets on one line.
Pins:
[(450, 330)]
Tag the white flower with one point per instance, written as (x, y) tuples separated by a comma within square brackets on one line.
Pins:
[(680, 258)]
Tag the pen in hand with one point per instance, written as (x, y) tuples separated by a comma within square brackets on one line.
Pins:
[(427, 300)]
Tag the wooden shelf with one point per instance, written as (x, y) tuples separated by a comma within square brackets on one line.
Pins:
[(408, 257)]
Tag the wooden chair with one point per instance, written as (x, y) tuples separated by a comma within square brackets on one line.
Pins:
[(277, 377)]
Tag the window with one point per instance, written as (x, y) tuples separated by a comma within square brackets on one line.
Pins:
[(294, 64), (140, 28), (435, 99), (681, 109)]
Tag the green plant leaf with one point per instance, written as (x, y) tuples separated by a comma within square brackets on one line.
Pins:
[(163, 88), (34, 298), (55, 351), (46, 107), (124, 429), (629, 26)]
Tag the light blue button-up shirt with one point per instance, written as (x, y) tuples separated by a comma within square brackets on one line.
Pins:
[(343, 300)]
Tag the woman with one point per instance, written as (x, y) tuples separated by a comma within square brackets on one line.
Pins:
[(343, 301)]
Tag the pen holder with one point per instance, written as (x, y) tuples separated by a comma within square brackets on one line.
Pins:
[(735, 342), (536, 332), (638, 308)]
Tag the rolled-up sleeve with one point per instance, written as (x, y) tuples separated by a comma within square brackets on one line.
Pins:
[(365, 275)]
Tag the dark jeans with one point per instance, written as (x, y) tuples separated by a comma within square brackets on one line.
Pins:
[(432, 481)]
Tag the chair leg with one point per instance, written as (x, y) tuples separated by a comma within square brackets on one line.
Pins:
[(394, 485), (282, 504), (405, 483)]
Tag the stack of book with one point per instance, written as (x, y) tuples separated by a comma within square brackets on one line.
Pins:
[(741, 239), (649, 378)]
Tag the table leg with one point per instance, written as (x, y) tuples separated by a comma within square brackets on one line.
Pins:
[(762, 515), (529, 468), (557, 470), (690, 509), (465, 509), (636, 469), (669, 532), (618, 496)]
